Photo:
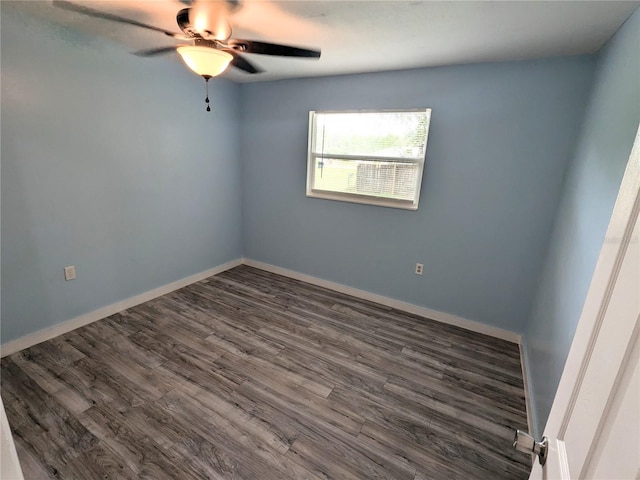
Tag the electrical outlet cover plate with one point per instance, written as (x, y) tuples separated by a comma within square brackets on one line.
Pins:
[(419, 268), (70, 272)]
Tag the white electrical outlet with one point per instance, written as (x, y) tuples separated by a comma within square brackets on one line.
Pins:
[(70, 272), (419, 268)]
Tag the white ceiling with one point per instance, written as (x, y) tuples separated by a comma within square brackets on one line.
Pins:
[(365, 36)]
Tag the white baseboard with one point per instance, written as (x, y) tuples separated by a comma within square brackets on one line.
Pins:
[(48, 333), (391, 302), (82, 320)]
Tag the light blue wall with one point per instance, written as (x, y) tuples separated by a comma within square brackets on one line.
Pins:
[(109, 163), (500, 139), (588, 197)]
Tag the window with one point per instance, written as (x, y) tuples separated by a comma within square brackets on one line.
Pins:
[(373, 157)]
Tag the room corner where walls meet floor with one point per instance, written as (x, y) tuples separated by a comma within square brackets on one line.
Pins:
[(471, 325)]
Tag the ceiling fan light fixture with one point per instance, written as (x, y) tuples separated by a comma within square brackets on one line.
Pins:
[(205, 61)]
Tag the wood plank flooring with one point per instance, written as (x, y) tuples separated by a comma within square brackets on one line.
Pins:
[(250, 375)]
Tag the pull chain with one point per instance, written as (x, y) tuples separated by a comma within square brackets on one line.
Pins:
[(206, 83)]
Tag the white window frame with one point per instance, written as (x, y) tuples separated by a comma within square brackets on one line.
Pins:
[(360, 198)]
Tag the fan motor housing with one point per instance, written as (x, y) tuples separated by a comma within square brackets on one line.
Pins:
[(183, 22)]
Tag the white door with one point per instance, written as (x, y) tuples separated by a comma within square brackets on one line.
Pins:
[(9, 463), (594, 424)]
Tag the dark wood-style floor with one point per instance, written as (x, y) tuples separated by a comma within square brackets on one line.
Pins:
[(250, 375)]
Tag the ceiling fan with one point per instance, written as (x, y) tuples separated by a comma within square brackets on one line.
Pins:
[(211, 49)]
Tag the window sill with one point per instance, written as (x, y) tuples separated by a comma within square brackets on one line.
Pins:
[(363, 199)]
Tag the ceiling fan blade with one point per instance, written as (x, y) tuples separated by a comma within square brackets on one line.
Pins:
[(90, 12), (152, 52), (263, 48), (242, 63)]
